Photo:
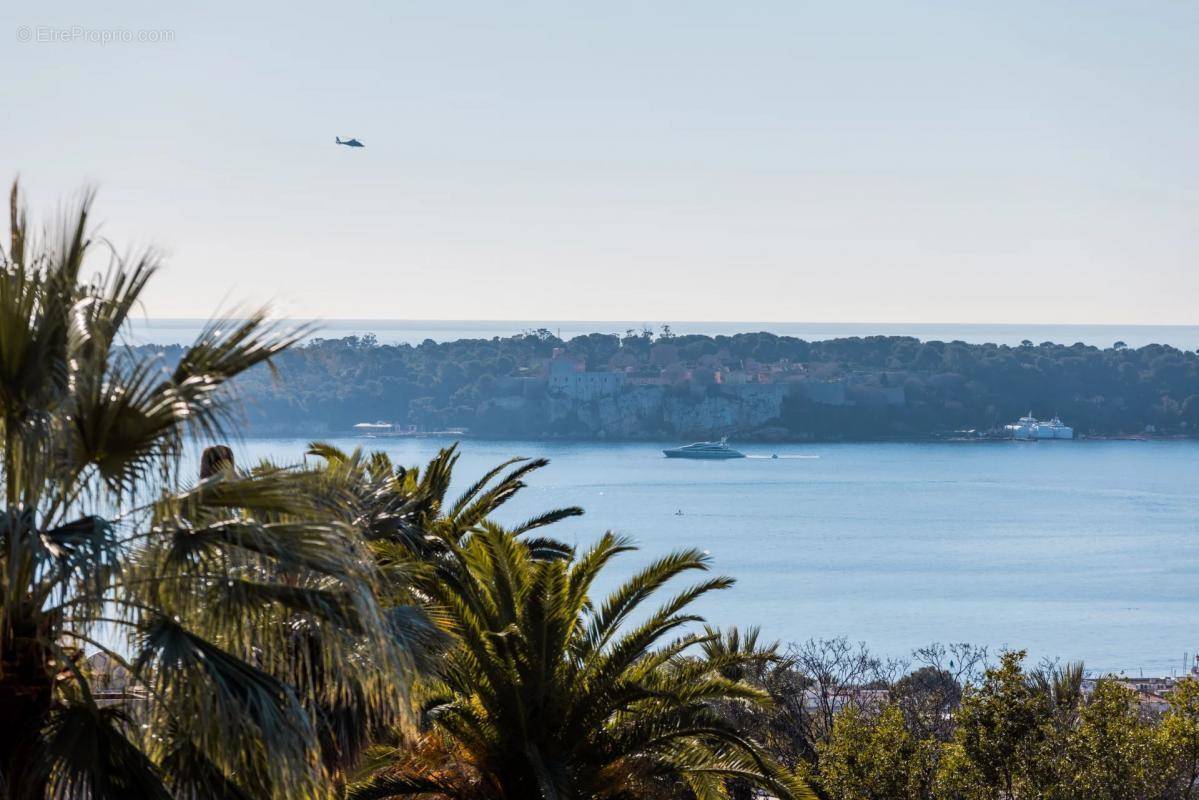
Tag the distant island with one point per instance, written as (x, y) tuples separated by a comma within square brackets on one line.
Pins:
[(753, 387)]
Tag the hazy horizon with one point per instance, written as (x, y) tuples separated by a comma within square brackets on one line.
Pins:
[(1026, 163), (805, 321), (410, 331)]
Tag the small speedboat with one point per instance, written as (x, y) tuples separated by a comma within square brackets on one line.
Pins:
[(710, 450)]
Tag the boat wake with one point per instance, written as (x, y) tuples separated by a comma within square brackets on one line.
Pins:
[(781, 457)]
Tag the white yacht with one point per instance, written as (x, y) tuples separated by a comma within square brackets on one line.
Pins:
[(719, 449), (1030, 429), (1023, 428), (1054, 429)]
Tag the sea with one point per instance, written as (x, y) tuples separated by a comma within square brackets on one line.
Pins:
[(391, 331), (1082, 550)]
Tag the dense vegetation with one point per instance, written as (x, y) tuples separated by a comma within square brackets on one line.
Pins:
[(963, 727), (329, 385)]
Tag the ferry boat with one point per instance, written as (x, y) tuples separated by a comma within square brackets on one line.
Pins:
[(1030, 429), (714, 450)]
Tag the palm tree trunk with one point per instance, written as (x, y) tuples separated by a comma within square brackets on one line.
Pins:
[(26, 695), (26, 680)]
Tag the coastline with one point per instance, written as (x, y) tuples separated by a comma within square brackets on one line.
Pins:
[(657, 438)]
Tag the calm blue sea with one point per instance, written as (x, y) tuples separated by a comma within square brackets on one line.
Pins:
[(1186, 337), (1074, 549)]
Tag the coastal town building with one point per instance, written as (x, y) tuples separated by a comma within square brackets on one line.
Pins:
[(1153, 693), (568, 377)]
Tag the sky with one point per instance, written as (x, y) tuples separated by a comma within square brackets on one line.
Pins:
[(1021, 162)]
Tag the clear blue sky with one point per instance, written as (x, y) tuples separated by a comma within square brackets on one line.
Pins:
[(851, 161)]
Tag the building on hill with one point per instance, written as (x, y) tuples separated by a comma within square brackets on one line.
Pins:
[(568, 378), (586, 385), (646, 378)]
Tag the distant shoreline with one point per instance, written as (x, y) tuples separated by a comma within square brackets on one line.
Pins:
[(657, 440)]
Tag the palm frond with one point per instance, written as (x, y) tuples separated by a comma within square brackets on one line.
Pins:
[(191, 774), (548, 518), (384, 787), (85, 753)]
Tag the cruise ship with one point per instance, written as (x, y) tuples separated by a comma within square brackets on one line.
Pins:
[(1030, 429), (719, 449)]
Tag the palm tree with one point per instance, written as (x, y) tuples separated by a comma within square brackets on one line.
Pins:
[(205, 592), (1060, 688), (740, 649), (547, 695), (405, 508), (409, 526)]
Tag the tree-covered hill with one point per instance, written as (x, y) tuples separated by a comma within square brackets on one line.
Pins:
[(748, 385)]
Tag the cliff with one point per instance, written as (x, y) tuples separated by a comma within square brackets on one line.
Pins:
[(649, 411)]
